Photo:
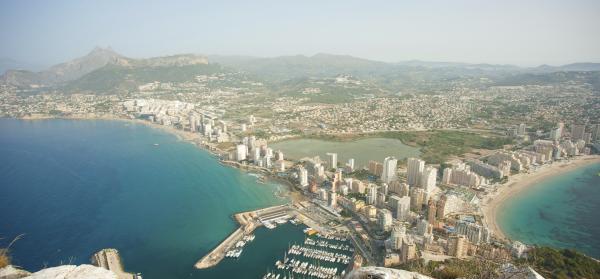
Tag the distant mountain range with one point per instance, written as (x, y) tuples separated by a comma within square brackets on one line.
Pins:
[(97, 59), (12, 64), (104, 70)]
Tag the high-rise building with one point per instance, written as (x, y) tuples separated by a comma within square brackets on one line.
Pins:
[(384, 220), (332, 199), (555, 134), (337, 180), (397, 236), (485, 170), (350, 164), (415, 169), (240, 152), (473, 232), (428, 179), (192, 124), (577, 131), (319, 170), (423, 228), (409, 251), (405, 190), (313, 186), (207, 130), (280, 165), (458, 246), (375, 168), (303, 176), (380, 199), (358, 187), (403, 208), (441, 206), (417, 197), (322, 194), (461, 175), (333, 160), (267, 162), (595, 129), (256, 154), (431, 212), (371, 194), (278, 155), (389, 169)]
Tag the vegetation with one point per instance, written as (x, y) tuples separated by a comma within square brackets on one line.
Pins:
[(549, 262), (361, 174), (357, 196), (4, 252), (4, 258), (111, 77), (455, 268), (438, 146), (565, 263)]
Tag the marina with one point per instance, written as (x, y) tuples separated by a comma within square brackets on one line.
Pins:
[(324, 257)]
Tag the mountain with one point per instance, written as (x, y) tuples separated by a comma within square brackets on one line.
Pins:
[(64, 72), (8, 64), (98, 58), (581, 67), (105, 70), (299, 66)]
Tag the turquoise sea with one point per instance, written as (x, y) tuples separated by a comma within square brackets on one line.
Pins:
[(75, 187), (561, 211)]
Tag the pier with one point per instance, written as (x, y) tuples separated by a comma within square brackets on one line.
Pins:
[(248, 221)]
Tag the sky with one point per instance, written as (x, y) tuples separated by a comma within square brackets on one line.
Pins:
[(525, 33)]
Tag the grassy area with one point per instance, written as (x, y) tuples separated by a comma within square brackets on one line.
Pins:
[(438, 146), (566, 263)]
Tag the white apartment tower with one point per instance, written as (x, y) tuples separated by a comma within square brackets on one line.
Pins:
[(389, 169), (414, 171)]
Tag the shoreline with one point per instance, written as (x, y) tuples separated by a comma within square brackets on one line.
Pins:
[(521, 182)]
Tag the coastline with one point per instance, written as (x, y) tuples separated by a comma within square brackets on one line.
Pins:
[(522, 181)]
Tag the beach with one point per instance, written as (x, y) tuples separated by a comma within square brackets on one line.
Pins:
[(520, 182)]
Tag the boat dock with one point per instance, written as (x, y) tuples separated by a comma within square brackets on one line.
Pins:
[(248, 221)]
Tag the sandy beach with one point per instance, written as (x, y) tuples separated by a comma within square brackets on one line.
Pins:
[(519, 182)]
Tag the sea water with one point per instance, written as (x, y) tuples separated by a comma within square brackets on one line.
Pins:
[(562, 211), (74, 187)]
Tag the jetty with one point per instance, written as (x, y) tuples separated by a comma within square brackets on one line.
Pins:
[(248, 221)]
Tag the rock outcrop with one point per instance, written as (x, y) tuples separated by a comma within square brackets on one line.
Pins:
[(384, 273), (84, 271)]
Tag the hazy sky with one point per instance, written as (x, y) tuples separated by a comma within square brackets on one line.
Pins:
[(508, 32)]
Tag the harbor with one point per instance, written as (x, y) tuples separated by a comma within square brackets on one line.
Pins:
[(322, 253), (232, 246)]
